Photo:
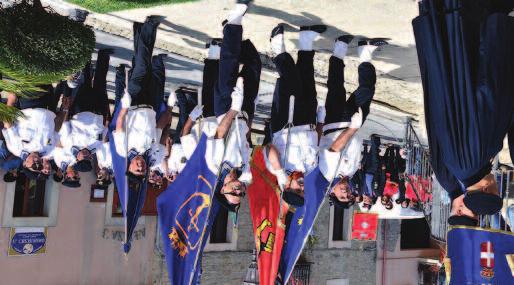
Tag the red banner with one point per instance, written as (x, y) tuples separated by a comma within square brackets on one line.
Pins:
[(364, 226), (264, 199)]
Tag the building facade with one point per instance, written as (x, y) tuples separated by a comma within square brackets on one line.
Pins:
[(83, 242)]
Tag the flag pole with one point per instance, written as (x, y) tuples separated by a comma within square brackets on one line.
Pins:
[(210, 207), (199, 103), (288, 126), (317, 213), (126, 167)]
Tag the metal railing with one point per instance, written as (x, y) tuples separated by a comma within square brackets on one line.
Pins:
[(301, 274), (418, 172), (440, 213), (438, 205)]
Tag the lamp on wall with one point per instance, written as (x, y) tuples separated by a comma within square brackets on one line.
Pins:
[(252, 274)]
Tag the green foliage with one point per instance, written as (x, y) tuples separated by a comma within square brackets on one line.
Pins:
[(312, 240), (9, 114), (38, 46), (105, 6)]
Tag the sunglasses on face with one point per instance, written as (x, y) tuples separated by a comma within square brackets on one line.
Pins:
[(37, 166), (241, 194), (234, 193)]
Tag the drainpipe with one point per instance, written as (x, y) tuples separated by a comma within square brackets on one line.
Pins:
[(384, 252)]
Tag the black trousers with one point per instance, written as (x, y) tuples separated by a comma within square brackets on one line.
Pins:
[(298, 80), (158, 79), (210, 77), (251, 73), (338, 108), (91, 96), (46, 99), (394, 163), (370, 158), (186, 100), (141, 76), (467, 79), (120, 83), (234, 51), (154, 94), (228, 68)]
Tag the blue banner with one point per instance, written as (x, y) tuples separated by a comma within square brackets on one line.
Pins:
[(186, 210), (479, 256), (302, 222), (131, 200)]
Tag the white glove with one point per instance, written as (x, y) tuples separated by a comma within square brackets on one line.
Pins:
[(126, 100), (321, 114), (238, 96), (196, 113), (172, 100), (281, 177), (356, 122)]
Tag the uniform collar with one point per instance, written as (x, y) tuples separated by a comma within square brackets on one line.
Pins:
[(75, 150), (24, 155)]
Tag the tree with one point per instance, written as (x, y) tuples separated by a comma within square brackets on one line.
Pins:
[(38, 47)]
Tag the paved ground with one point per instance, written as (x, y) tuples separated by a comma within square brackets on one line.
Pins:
[(184, 71), (189, 25)]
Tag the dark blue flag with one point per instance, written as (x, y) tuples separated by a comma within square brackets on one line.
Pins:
[(302, 222), (480, 256), (186, 210), (131, 200)]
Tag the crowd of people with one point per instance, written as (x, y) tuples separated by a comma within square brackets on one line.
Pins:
[(69, 129), (64, 132)]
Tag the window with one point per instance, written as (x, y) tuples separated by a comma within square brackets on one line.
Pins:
[(415, 234), (29, 197), (219, 228), (113, 212), (150, 206), (30, 203), (340, 227), (223, 236), (116, 210)]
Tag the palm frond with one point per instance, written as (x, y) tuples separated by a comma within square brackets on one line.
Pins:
[(9, 114)]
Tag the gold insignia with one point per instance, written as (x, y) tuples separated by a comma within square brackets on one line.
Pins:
[(267, 245), (510, 261), (177, 243), (188, 231)]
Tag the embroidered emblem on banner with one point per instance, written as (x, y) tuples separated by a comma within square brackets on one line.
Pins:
[(190, 221), (266, 245), (487, 259)]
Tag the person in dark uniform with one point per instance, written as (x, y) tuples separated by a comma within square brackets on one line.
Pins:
[(80, 136), (292, 152), (338, 143), (138, 132), (228, 150), (466, 65)]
